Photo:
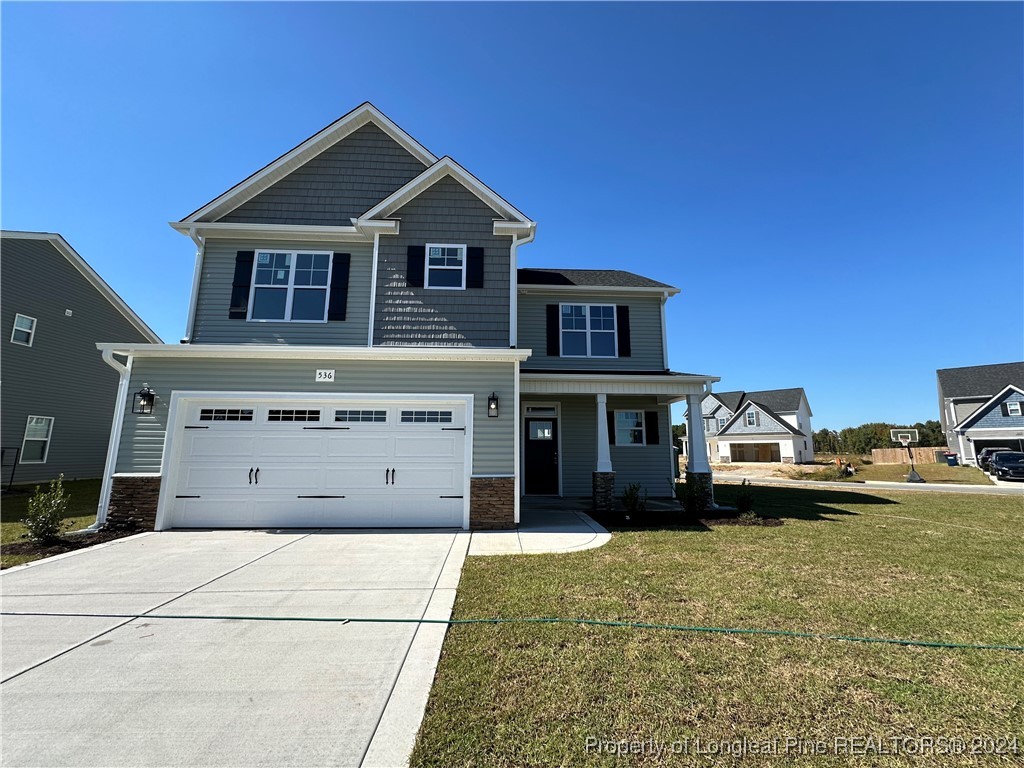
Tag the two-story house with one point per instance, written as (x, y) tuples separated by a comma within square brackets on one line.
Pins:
[(58, 396), (765, 426), (363, 350), (982, 406)]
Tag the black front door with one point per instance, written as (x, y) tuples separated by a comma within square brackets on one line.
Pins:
[(541, 456)]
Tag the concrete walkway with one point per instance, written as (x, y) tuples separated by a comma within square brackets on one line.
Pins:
[(1001, 489), (90, 690), (542, 530)]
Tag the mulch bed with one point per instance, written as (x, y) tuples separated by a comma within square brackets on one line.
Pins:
[(65, 544), (663, 518)]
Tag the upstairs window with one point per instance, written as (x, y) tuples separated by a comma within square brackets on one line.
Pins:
[(1013, 408), (721, 422), (588, 330), (751, 418), (290, 286), (24, 330), (446, 267)]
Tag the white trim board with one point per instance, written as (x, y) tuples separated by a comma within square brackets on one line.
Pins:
[(319, 352), (65, 249), (303, 153)]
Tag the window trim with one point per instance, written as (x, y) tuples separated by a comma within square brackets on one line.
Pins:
[(642, 428), (291, 287), (722, 421), (427, 267), (25, 438), (1009, 408), (587, 306), (751, 418), (31, 334)]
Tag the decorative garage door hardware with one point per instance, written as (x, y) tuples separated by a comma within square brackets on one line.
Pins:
[(189, 426), (326, 427), (451, 497), (453, 429), (257, 475), (319, 497), (188, 497)]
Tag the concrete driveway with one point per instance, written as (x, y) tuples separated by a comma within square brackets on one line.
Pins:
[(99, 691)]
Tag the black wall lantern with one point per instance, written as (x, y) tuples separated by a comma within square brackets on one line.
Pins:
[(144, 400), (492, 405)]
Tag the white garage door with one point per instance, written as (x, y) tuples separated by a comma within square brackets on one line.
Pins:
[(303, 464)]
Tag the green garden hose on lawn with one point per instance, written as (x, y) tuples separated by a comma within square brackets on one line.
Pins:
[(586, 622)]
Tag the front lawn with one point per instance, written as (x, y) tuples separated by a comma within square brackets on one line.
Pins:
[(881, 564), (85, 495), (932, 473)]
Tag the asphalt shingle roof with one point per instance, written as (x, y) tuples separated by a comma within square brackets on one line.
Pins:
[(779, 400), (980, 380), (603, 278)]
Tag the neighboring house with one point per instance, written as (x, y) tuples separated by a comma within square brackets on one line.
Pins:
[(770, 425), (362, 350), (58, 394), (981, 407)]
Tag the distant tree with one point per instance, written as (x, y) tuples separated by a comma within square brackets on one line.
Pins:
[(864, 438), (826, 441), (679, 434)]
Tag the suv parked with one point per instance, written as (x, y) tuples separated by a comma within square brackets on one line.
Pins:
[(1007, 465), (985, 456)]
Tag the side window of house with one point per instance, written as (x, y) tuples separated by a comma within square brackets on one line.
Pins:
[(24, 330), (1013, 408), (629, 427), (289, 286), (36, 445), (588, 330)]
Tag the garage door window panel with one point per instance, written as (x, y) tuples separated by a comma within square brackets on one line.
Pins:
[(290, 287), (225, 414), (363, 417), (279, 415), (426, 417)]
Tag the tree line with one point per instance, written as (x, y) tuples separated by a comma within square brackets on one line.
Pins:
[(875, 435)]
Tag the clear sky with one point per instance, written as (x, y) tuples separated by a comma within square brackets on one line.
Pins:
[(835, 187)]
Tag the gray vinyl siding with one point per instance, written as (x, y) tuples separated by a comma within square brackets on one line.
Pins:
[(766, 426), (649, 465), (213, 326), (644, 323), (62, 374), (445, 213), (142, 437), (337, 185), (964, 409)]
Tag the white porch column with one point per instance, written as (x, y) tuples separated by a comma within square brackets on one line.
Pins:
[(604, 453), (697, 448)]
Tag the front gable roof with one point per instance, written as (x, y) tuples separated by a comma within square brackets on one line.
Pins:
[(779, 400), (589, 278), (985, 408), (779, 425), (62, 246), (443, 168), (301, 154)]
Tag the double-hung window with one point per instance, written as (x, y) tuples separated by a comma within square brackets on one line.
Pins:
[(446, 267), (721, 422), (751, 418), (1013, 408), (588, 330), (629, 428), (24, 330), (36, 444), (290, 286)]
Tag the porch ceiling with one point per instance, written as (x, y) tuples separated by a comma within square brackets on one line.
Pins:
[(669, 387)]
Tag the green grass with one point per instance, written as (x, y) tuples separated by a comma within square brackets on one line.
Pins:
[(932, 473), (85, 495), (885, 564)]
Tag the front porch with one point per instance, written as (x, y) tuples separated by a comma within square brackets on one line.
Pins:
[(586, 436)]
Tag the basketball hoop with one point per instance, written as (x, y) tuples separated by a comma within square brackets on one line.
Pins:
[(905, 437), (904, 441)]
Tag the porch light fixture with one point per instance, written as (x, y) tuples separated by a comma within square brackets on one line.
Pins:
[(144, 399), (492, 405)]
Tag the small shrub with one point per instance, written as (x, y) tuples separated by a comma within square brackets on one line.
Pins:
[(44, 521), (749, 518), (694, 496), (744, 499), (634, 499)]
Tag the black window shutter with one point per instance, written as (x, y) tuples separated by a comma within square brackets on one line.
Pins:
[(611, 427), (1005, 409), (622, 325), (554, 344), (474, 267), (240, 285), (338, 305), (416, 256), (652, 434)]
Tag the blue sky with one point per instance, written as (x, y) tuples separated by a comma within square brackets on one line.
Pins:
[(836, 188)]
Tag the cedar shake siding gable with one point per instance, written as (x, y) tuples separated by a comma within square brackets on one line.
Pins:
[(339, 184), (444, 213)]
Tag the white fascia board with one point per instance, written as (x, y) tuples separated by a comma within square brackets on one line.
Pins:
[(272, 231), (306, 352), (676, 387), (988, 404), (446, 166), (69, 253), (308, 149), (514, 228), (611, 289)]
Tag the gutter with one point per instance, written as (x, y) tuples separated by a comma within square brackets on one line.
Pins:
[(124, 372), (315, 352)]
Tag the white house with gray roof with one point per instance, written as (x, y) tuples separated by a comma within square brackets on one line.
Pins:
[(772, 425), (363, 350), (982, 406)]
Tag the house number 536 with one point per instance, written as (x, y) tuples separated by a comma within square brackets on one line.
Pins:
[(322, 375)]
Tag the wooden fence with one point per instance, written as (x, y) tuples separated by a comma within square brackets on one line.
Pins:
[(899, 455)]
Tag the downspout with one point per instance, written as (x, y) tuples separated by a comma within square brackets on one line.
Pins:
[(513, 304), (373, 289), (114, 442), (196, 275)]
